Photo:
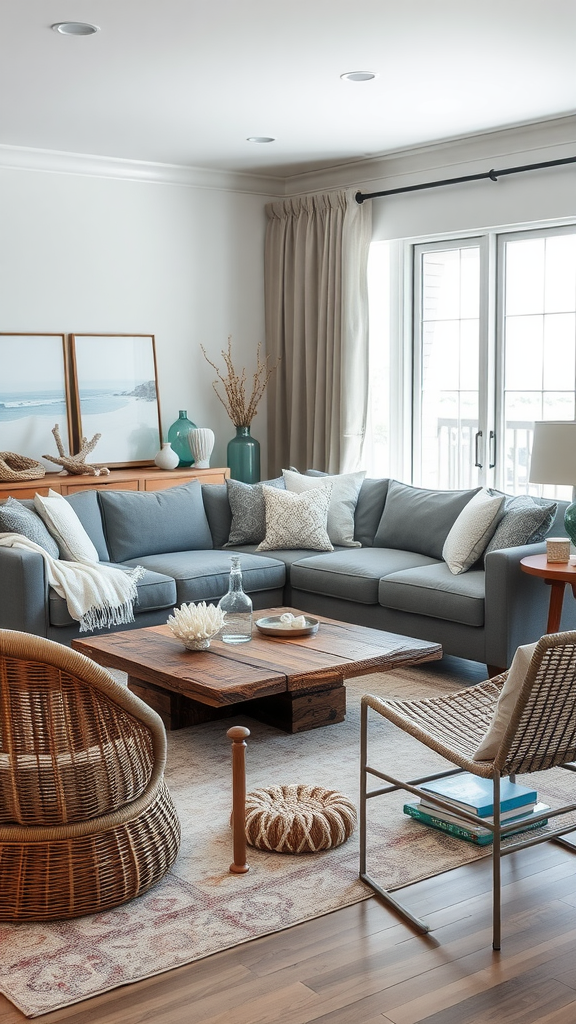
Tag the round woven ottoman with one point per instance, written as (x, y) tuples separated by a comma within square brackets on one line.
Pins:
[(298, 819)]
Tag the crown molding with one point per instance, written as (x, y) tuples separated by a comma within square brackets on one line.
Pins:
[(21, 158), (556, 137)]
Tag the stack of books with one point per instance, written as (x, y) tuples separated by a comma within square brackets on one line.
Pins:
[(473, 794)]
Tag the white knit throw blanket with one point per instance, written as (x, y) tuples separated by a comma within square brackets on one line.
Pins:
[(97, 595)]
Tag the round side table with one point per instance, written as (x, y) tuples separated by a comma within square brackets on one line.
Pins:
[(556, 575)]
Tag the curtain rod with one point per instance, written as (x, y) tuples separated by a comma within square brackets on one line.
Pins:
[(493, 175)]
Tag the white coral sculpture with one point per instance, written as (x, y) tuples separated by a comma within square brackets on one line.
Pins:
[(196, 624)]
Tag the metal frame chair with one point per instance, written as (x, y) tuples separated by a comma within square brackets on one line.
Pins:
[(86, 820), (541, 734)]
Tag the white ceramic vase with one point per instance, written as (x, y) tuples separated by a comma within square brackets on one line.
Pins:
[(201, 443), (166, 457)]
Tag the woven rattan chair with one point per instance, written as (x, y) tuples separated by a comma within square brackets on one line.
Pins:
[(541, 734), (86, 820)]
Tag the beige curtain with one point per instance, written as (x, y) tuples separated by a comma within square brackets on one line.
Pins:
[(317, 324)]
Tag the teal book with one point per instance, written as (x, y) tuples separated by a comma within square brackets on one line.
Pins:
[(474, 794), (472, 833)]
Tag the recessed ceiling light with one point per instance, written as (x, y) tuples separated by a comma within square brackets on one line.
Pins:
[(75, 28), (359, 76), (260, 138)]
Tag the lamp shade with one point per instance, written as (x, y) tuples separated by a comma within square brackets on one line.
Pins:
[(553, 458)]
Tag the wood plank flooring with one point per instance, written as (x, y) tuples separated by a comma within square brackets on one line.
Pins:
[(362, 965)]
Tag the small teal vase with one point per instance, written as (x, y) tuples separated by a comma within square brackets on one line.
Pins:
[(178, 437), (244, 457)]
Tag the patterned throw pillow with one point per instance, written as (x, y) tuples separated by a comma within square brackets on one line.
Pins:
[(472, 530), (248, 511), (16, 518), (64, 525), (345, 491), (296, 520), (526, 520)]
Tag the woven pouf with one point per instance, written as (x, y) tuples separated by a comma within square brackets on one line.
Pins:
[(298, 819)]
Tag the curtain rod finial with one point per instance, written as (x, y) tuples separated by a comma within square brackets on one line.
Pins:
[(359, 198)]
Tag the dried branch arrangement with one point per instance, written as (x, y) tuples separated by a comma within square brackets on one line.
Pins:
[(240, 408)]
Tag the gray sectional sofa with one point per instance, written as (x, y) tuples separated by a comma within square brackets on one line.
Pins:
[(395, 580)]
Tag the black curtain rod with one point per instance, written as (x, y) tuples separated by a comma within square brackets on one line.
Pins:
[(493, 175)]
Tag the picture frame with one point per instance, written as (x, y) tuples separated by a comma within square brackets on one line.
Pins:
[(34, 394), (115, 394)]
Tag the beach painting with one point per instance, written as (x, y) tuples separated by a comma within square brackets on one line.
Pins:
[(116, 395), (34, 395)]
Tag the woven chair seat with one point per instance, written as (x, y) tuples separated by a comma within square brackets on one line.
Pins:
[(90, 823), (298, 819)]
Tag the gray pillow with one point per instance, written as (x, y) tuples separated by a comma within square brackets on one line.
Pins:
[(86, 507), (16, 518), (416, 519), (138, 523), (217, 506), (248, 511), (526, 520), (369, 510)]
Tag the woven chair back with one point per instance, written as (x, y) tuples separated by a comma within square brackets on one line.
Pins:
[(542, 730)]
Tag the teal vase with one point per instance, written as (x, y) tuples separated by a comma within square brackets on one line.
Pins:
[(244, 457), (178, 436)]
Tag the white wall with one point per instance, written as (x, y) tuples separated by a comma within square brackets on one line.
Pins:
[(81, 253)]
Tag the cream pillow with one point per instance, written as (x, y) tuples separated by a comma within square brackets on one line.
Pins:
[(488, 747), (296, 520), (345, 491), (64, 525), (472, 530)]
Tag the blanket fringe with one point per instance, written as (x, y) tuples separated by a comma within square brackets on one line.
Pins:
[(105, 616)]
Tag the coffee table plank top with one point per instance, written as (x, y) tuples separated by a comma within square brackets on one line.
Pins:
[(226, 674)]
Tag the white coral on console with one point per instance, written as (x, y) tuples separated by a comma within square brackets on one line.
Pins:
[(196, 624)]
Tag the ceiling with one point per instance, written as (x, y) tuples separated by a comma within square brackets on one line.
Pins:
[(187, 81)]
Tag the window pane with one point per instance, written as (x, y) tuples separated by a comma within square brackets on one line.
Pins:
[(525, 276), (441, 285), (559, 350), (524, 341), (560, 291)]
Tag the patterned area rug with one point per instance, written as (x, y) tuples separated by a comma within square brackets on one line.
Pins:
[(200, 908)]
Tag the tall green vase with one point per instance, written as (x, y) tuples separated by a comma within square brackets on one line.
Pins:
[(244, 457)]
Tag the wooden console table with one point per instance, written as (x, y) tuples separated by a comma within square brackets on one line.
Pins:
[(140, 478), (556, 575)]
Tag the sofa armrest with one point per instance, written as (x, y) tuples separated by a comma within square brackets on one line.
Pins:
[(23, 591), (516, 609)]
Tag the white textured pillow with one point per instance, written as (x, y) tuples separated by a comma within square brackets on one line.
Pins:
[(472, 531), (345, 491), (296, 520), (64, 525), (488, 747)]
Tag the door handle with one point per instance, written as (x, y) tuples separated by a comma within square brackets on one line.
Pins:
[(477, 438), (491, 450)]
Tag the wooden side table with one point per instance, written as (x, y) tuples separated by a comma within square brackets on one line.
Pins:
[(556, 575)]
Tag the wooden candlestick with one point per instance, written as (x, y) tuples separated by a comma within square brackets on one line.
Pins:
[(238, 734)]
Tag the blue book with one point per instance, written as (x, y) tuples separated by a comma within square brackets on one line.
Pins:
[(475, 795)]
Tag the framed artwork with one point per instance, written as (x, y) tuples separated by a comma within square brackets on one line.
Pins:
[(116, 395), (34, 395)]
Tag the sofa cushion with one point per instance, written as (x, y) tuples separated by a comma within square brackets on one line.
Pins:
[(155, 591), (343, 501), (352, 574), (204, 575), (472, 530), (74, 543), (152, 522), (526, 520), (86, 507), (369, 510), (297, 520), (248, 509), (433, 590), (17, 518), (416, 519), (218, 512)]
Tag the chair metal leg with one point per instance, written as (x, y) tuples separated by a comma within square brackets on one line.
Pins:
[(496, 865)]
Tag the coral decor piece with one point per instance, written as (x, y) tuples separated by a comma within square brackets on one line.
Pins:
[(196, 624), (76, 464), (240, 408), (19, 467)]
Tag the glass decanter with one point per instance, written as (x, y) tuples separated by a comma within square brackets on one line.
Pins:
[(237, 628)]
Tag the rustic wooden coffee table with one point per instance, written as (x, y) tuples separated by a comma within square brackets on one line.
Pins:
[(295, 683)]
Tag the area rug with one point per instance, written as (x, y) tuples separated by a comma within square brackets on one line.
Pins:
[(200, 908)]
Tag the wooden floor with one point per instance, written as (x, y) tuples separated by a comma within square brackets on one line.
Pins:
[(362, 965)]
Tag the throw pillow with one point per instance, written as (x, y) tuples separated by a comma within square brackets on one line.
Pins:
[(472, 531), (16, 518), (418, 519), (296, 520), (139, 523), (488, 747), (526, 520), (248, 511), (345, 491), (63, 523)]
